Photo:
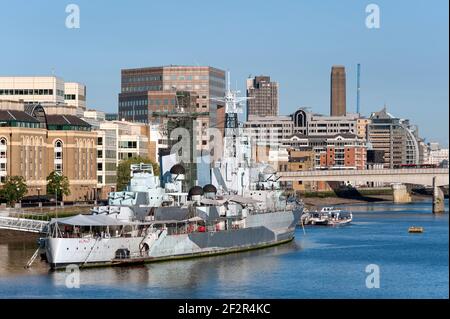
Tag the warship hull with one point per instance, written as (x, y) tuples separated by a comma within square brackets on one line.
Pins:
[(261, 230)]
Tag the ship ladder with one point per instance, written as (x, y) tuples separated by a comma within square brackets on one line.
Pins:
[(32, 259), (92, 249)]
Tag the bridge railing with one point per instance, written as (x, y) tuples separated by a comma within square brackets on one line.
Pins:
[(367, 172), (23, 224)]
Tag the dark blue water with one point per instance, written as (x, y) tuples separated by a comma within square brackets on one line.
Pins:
[(324, 263)]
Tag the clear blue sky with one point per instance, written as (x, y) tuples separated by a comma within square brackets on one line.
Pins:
[(404, 63)]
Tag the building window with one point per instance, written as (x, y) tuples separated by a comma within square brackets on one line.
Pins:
[(3, 158), (99, 141), (58, 156), (99, 166)]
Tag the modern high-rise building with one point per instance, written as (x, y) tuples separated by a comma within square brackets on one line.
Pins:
[(338, 91), (263, 96), (154, 89), (396, 137)]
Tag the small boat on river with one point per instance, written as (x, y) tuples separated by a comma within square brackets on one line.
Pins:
[(415, 229), (327, 216)]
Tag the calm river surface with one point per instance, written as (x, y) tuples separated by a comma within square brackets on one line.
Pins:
[(324, 263)]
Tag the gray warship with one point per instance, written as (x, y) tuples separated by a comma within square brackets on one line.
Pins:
[(243, 208)]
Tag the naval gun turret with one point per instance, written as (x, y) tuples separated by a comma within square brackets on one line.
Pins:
[(142, 193)]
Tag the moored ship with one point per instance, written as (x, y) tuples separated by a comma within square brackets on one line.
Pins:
[(147, 223)]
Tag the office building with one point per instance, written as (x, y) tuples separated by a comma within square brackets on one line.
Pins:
[(396, 137), (75, 94), (263, 97), (312, 124), (42, 89), (268, 130), (116, 140), (154, 89), (437, 155)]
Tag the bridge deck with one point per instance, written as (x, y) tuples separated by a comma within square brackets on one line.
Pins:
[(422, 176)]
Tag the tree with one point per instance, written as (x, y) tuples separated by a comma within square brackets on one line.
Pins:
[(14, 189), (123, 170), (57, 184)]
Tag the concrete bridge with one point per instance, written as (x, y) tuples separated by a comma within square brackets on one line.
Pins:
[(418, 176), (435, 177)]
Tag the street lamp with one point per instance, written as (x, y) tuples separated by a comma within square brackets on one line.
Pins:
[(20, 200), (39, 198), (56, 201), (56, 196)]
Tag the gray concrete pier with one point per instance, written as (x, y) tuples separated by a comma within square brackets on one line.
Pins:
[(401, 194), (438, 198)]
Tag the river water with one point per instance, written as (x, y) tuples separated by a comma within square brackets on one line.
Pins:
[(323, 263)]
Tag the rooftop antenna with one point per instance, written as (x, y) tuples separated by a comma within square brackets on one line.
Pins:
[(358, 88)]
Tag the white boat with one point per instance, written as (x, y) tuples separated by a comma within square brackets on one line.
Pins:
[(327, 216), (134, 228)]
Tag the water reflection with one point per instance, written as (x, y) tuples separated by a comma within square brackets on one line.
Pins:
[(304, 268), (185, 274), (16, 249)]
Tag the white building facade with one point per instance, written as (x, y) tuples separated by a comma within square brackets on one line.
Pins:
[(42, 89)]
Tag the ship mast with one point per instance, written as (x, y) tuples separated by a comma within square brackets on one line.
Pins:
[(234, 164), (232, 108)]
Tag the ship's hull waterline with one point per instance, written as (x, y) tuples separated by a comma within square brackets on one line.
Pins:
[(279, 228)]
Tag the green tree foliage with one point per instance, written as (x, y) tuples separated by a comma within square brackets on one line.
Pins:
[(58, 183), (14, 189), (123, 170)]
